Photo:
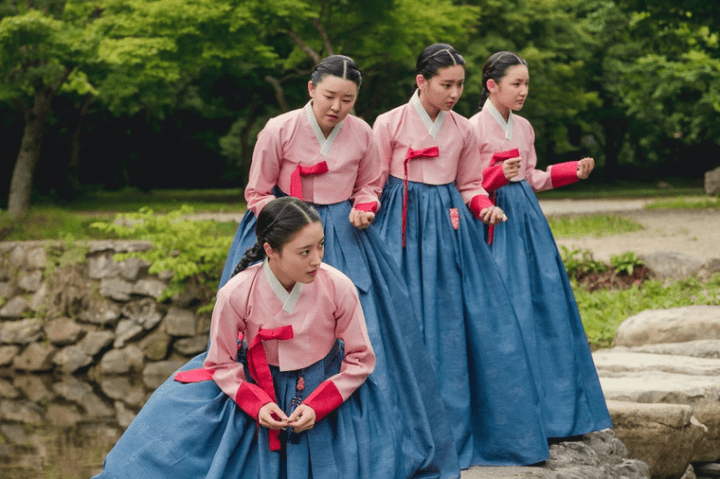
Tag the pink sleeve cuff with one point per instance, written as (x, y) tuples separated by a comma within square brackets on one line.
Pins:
[(494, 178), (563, 174), (250, 398), (367, 207), (479, 203), (324, 399)]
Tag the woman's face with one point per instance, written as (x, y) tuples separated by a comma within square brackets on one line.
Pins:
[(332, 100), (442, 91), (512, 90), (300, 258)]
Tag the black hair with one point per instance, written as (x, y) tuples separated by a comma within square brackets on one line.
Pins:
[(339, 66), (435, 57), (277, 223), (495, 68)]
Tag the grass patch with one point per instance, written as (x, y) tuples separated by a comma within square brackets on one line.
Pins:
[(597, 225), (685, 203), (623, 190), (603, 310)]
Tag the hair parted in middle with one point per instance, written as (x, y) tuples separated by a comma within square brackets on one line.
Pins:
[(495, 68), (339, 66), (435, 57), (276, 225)]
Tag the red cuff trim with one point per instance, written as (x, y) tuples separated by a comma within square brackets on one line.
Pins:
[(479, 203), (251, 398), (494, 178), (367, 207), (563, 174), (324, 399)]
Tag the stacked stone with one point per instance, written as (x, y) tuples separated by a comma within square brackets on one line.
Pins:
[(662, 383), (90, 341)]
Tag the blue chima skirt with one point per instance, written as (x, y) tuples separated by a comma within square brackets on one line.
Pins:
[(194, 431), (529, 261), (402, 371), (468, 325)]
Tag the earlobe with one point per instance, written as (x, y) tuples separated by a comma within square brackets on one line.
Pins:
[(491, 85), (420, 81)]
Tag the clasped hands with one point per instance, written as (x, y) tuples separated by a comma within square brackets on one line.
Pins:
[(301, 419)]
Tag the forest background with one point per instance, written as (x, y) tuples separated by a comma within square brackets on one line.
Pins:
[(151, 94)]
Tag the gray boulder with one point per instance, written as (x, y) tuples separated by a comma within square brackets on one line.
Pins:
[(712, 182), (671, 264), (675, 325)]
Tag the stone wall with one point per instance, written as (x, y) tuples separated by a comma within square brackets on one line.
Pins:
[(74, 314)]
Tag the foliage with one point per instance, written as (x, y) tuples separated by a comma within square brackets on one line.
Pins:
[(580, 262), (181, 246), (596, 225), (685, 203), (625, 263), (602, 311)]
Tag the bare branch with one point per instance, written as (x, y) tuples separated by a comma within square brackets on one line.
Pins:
[(279, 93), (324, 35), (314, 56)]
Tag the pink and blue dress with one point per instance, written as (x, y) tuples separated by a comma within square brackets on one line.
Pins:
[(529, 262), (468, 324)]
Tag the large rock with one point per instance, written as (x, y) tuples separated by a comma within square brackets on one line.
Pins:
[(36, 258), (96, 341), (191, 346), (117, 289), (712, 182), (665, 436), (104, 313), (155, 345), (63, 331), (102, 266), (132, 268), (25, 331), (72, 358), (127, 329), (122, 361), (144, 312), (180, 322), (672, 264), (149, 287), (673, 325), (701, 348), (36, 357), (31, 281), (14, 308), (63, 415), (24, 412), (7, 354), (72, 389), (120, 388), (34, 387), (598, 455)]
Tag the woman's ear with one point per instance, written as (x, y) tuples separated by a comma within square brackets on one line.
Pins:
[(491, 85), (311, 89), (420, 81), (269, 251)]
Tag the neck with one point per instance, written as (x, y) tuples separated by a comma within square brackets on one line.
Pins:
[(503, 110), (288, 284), (429, 109)]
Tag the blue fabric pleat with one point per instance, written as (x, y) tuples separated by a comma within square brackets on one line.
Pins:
[(193, 431), (403, 370), (524, 249), (468, 326)]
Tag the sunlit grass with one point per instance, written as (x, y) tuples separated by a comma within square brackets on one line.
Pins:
[(685, 203), (596, 225), (602, 311)]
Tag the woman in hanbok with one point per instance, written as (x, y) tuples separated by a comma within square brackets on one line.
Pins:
[(432, 196), (298, 402), (527, 256), (325, 156)]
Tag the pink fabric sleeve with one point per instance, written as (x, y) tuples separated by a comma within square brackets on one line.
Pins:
[(359, 360), (469, 178), (229, 374), (367, 187), (385, 148), (479, 203), (539, 180), (264, 169)]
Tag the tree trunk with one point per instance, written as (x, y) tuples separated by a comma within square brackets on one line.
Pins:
[(30, 146), (245, 139), (71, 182)]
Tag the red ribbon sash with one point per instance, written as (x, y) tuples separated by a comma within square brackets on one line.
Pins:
[(300, 171), (504, 155), (430, 152), (260, 369)]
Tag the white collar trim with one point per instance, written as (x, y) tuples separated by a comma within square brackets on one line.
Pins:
[(289, 300), (507, 126), (433, 127), (325, 143)]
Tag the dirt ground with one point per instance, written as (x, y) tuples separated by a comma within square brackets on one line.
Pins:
[(694, 232)]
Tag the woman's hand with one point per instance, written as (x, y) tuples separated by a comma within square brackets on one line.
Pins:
[(511, 167), (585, 166), (361, 219), (302, 418), (492, 215), (272, 417)]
